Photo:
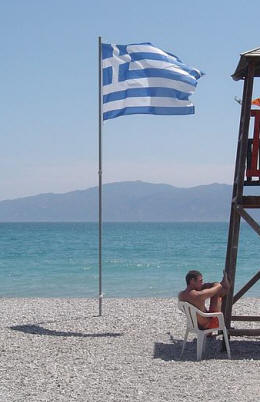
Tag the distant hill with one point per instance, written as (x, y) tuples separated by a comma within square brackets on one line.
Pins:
[(124, 201)]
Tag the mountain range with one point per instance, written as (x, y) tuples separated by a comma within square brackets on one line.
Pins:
[(124, 201)]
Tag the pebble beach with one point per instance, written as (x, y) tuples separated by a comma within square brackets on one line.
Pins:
[(61, 350)]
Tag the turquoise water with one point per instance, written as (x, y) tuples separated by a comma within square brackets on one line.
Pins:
[(139, 259)]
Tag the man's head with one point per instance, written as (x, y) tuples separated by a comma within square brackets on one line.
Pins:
[(194, 279)]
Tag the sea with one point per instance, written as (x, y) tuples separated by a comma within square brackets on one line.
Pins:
[(138, 259)]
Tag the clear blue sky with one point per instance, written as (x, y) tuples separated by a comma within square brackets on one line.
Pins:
[(49, 99)]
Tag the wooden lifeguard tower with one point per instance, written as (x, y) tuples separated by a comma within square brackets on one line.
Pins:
[(247, 173)]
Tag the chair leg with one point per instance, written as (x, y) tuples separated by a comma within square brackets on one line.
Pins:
[(227, 343), (200, 341), (204, 345), (184, 341)]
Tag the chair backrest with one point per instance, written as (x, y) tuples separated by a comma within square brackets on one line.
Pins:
[(190, 311)]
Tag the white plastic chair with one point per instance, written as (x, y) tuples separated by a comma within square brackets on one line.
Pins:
[(192, 326)]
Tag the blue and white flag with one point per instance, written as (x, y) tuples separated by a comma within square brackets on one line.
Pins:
[(140, 78)]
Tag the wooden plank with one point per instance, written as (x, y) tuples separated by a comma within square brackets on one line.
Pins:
[(244, 129), (252, 183), (238, 185), (245, 318), (255, 113), (249, 156), (253, 170), (247, 286), (244, 332), (251, 201), (254, 225), (230, 266)]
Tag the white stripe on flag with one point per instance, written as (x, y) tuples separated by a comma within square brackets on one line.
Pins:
[(148, 83), (146, 49), (145, 101), (145, 63)]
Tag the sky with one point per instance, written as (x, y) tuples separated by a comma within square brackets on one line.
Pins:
[(49, 93)]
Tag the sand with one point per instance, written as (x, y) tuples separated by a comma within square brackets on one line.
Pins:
[(61, 350)]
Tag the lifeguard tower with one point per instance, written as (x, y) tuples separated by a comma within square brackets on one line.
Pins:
[(247, 173)]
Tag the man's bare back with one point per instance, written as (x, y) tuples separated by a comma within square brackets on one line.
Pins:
[(197, 292)]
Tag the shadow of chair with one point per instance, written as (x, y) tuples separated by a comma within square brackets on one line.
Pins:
[(241, 350)]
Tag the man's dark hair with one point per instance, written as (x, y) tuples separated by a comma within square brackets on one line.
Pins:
[(192, 275)]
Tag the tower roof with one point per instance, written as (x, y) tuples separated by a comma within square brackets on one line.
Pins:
[(245, 58)]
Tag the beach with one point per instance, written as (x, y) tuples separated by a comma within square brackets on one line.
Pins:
[(61, 350)]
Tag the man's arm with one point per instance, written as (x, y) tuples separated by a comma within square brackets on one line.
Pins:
[(208, 285), (209, 292)]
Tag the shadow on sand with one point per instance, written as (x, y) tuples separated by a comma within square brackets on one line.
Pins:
[(37, 330), (240, 350)]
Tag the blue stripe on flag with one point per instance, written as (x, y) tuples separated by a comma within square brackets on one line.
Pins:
[(149, 110), (156, 56), (149, 56), (107, 75), (125, 74), (107, 51), (136, 92)]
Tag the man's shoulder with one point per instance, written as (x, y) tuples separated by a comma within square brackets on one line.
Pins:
[(181, 295), (188, 296), (185, 295)]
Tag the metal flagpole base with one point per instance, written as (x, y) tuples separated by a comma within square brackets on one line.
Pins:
[(100, 304)]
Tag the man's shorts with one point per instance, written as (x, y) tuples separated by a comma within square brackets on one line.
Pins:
[(213, 323)]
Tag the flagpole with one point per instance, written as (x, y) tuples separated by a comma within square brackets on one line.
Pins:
[(100, 172)]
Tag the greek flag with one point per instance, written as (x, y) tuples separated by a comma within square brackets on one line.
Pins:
[(140, 78)]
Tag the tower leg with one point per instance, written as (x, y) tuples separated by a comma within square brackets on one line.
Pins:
[(234, 224)]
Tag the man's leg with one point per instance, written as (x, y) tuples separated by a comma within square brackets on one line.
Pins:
[(216, 301), (215, 304), (215, 307)]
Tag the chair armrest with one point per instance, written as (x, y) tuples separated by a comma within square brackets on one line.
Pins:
[(192, 310), (219, 314)]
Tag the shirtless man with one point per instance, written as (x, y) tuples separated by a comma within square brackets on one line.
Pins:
[(197, 293)]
